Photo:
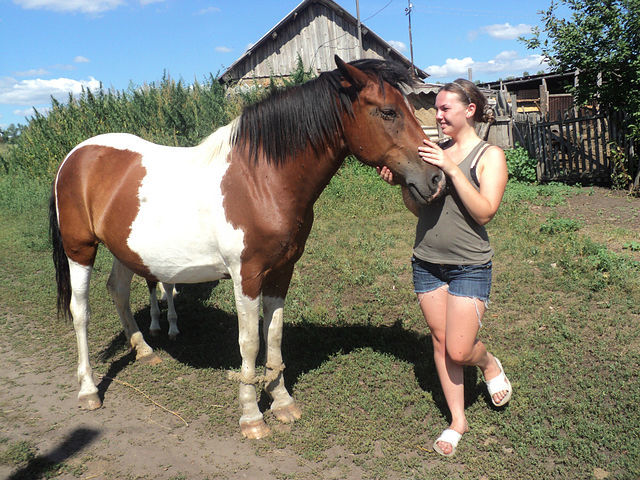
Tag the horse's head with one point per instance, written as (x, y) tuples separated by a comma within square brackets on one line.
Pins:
[(382, 129)]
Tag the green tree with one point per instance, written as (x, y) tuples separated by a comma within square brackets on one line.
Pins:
[(600, 39), (10, 134)]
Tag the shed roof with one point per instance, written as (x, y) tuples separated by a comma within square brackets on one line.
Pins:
[(392, 53), (555, 80)]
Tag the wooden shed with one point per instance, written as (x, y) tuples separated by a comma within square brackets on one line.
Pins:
[(543, 94), (315, 30)]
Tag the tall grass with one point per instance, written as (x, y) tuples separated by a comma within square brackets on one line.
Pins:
[(169, 113)]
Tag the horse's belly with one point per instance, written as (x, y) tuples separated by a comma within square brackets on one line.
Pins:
[(181, 233), (189, 273)]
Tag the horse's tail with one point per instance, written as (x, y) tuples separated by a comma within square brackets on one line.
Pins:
[(60, 261)]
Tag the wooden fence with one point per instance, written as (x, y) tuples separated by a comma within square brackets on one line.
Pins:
[(575, 148)]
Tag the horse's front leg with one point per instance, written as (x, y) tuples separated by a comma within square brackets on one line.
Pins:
[(283, 405), (252, 423)]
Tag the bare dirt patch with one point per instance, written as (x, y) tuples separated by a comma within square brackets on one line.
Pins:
[(609, 217), (129, 438)]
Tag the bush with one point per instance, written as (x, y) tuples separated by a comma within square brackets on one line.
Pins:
[(170, 113), (521, 166)]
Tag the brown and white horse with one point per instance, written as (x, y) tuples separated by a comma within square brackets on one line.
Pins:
[(250, 189)]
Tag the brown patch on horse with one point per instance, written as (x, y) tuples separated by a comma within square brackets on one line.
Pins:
[(92, 209), (275, 212)]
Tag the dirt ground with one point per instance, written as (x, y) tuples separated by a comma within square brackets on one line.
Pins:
[(132, 438), (608, 217), (129, 438)]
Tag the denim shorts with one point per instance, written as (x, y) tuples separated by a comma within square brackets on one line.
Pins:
[(472, 281)]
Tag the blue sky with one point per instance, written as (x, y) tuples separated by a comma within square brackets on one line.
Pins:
[(52, 47)]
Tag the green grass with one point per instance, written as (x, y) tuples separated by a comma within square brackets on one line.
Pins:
[(563, 320)]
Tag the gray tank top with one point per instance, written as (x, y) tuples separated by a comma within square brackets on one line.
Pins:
[(446, 232)]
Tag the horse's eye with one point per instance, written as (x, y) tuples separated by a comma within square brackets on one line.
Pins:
[(388, 113)]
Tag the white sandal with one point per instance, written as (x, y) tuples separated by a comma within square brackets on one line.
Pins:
[(449, 436), (499, 384)]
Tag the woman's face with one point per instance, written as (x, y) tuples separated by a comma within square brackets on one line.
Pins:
[(451, 113)]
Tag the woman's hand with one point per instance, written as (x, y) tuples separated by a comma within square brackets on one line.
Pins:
[(431, 153), (386, 175)]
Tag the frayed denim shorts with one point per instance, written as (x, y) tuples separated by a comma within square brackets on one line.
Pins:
[(473, 281)]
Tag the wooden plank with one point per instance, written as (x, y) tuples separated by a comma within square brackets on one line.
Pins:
[(606, 163), (582, 144), (589, 145), (580, 160), (598, 156)]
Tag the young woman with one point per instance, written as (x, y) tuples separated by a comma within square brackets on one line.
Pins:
[(452, 255)]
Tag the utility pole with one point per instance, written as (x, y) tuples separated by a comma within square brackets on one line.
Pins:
[(359, 54), (408, 13)]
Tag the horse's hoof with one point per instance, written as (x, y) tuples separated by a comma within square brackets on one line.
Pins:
[(90, 401), (173, 337), (287, 414), (255, 430), (150, 359), (154, 333)]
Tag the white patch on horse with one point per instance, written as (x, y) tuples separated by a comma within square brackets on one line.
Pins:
[(179, 195)]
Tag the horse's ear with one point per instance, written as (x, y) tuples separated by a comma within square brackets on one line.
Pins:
[(352, 74)]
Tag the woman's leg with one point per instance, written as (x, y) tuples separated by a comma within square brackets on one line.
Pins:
[(434, 306), (462, 345)]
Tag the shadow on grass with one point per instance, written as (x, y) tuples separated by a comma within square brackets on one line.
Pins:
[(45, 466), (209, 339)]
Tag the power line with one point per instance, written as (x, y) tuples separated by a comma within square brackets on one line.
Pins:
[(373, 15)]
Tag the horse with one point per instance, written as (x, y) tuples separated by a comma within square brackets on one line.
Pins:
[(250, 188), (167, 292)]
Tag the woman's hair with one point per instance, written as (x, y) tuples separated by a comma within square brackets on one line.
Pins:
[(468, 93)]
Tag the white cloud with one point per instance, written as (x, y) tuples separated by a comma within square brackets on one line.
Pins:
[(34, 72), (207, 10), (506, 31), (38, 91), (400, 46), (81, 59), (28, 112), (84, 6), (506, 62), (147, 2), (453, 67), (222, 49)]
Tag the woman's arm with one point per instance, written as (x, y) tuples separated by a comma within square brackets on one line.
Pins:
[(407, 198)]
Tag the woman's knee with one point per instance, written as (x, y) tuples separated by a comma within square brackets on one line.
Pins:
[(459, 354)]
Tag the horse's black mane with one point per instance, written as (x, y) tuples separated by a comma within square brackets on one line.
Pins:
[(288, 120)]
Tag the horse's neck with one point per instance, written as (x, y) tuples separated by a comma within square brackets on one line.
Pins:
[(310, 173)]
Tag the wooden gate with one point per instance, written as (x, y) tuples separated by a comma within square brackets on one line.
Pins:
[(573, 148)]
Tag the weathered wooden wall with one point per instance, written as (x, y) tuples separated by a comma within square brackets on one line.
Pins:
[(316, 34)]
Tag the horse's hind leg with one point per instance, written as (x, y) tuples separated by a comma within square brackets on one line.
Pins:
[(172, 316), (88, 398), (154, 308), (168, 290), (119, 285)]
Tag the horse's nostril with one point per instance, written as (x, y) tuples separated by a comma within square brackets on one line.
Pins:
[(435, 179)]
